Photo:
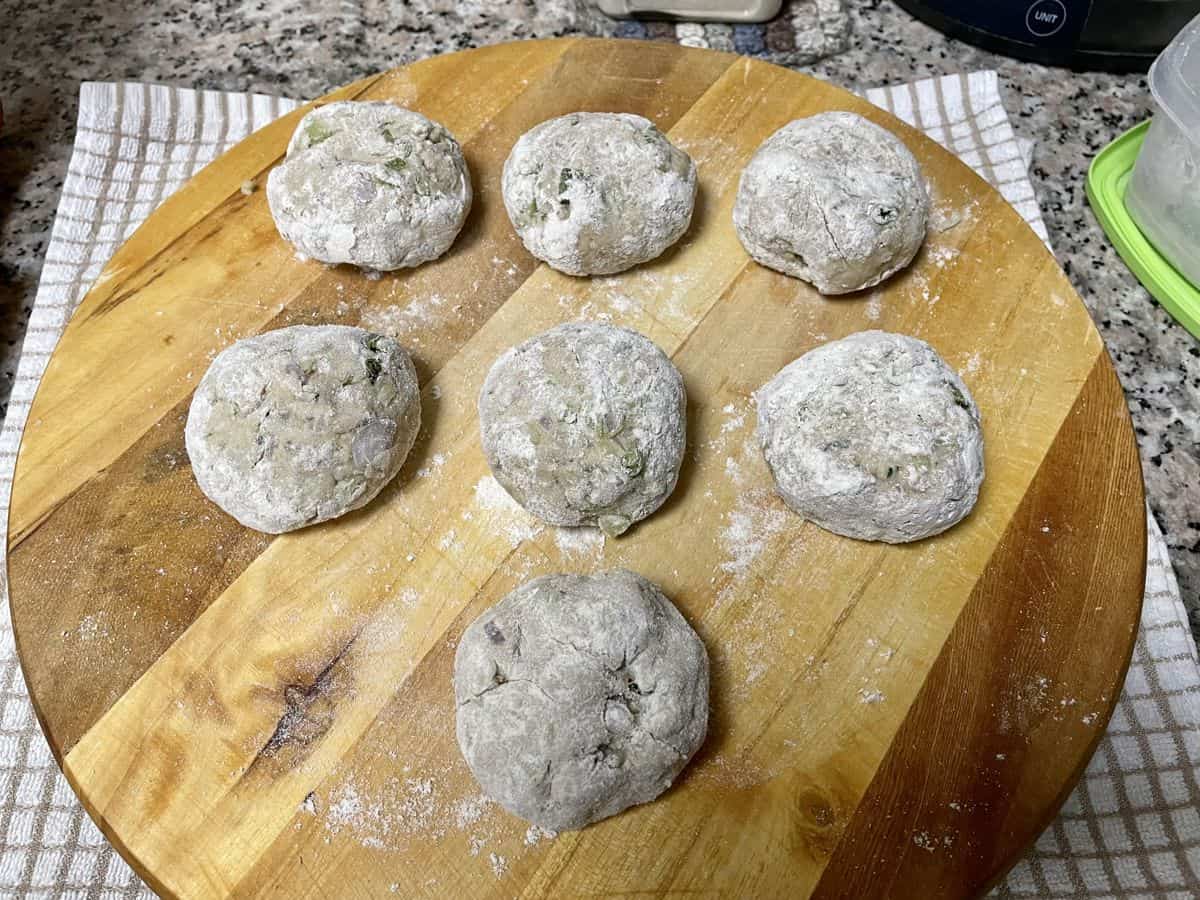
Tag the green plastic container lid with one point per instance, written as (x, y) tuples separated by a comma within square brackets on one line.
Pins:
[(1106, 180)]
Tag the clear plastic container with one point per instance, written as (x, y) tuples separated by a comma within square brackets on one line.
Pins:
[(1163, 196)]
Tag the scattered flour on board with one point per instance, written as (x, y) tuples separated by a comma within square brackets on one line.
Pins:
[(931, 842), (345, 810), (536, 833), (499, 864), (666, 295), (397, 321), (873, 306), (752, 523), (91, 627), (589, 312), (925, 841), (408, 808), (757, 670), (387, 817), (734, 421), (941, 255), (672, 305), (512, 520), (920, 281), (622, 303), (945, 215), (736, 418), (435, 462), (756, 517), (871, 695), (732, 470), (469, 810), (582, 541), (507, 266), (972, 364)]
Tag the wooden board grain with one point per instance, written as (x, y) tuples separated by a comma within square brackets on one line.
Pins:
[(256, 716)]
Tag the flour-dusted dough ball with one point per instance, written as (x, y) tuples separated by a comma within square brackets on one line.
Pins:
[(834, 200), (596, 193), (579, 696), (585, 424), (873, 437), (299, 425), (371, 184)]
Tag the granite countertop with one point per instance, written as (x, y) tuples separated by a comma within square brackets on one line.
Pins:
[(303, 49)]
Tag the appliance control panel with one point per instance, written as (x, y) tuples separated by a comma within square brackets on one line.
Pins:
[(1049, 23)]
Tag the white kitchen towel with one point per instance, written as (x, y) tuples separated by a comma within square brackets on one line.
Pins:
[(964, 114), (1131, 829)]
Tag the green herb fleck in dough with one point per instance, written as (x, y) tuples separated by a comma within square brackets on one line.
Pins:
[(372, 342), (396, 165), (374, 369), (959, 399), (884, 214), (610, 424), (565, 177), (317, 132), (633, 462), (613, 526)]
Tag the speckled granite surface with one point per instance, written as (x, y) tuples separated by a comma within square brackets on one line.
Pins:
[(303, 49)]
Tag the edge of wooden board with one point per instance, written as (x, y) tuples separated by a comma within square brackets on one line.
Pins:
[(905, 754)]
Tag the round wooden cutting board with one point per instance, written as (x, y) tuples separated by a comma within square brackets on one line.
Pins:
[(257, 716)]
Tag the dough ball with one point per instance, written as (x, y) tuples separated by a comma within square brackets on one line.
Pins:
[(873, 437), (834, 200), (579, 696), (299, 425), (370, 184), (596, 193), (585, 424)]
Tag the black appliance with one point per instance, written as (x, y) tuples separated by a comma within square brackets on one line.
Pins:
[(1114, 35)]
